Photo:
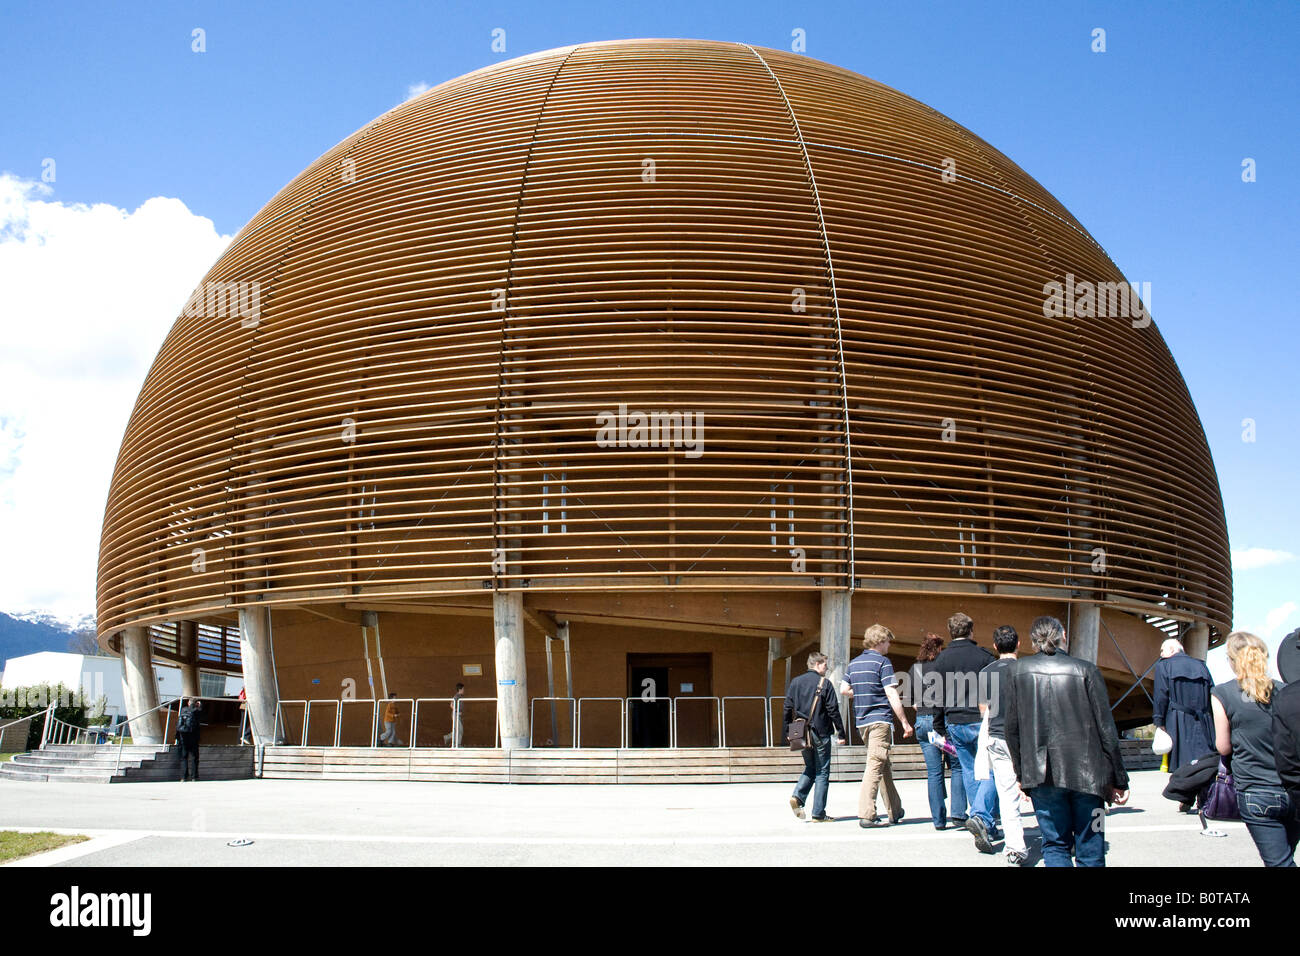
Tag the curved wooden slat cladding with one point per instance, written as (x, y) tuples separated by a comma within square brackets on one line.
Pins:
[(838, 291)]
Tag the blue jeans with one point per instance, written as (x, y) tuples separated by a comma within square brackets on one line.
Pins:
[(1069, 819), (816, 766), (934, 761), (964, 737), (1273, 822)]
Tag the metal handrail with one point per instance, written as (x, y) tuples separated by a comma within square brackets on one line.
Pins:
[(622, 718), (28, 717), (767, 718), (672, 713), (415, 715), (48, 713), (532, 717), (576, 704), (456, 703), (306, 720), (677, 713), (121, 739), (771, 718), (338, 720)]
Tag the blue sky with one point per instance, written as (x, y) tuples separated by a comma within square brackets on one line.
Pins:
[(1143, 143)]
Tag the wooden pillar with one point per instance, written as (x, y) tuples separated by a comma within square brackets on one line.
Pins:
[(836, 638), (187, 641), (1086, 632), (1196, 642), (511, 668), (261, 689), (140, 686)]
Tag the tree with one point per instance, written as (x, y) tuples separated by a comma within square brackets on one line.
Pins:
[(84, 642)]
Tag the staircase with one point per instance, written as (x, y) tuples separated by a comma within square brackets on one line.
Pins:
[(91, 763), (590, 765)]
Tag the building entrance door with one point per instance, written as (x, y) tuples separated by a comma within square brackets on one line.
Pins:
[(654, 678)]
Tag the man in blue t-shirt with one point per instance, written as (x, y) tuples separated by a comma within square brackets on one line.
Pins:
[(870, 681)]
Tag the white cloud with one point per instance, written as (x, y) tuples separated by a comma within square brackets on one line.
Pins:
[(415, 89), (87, 294), (1275, 621), (1247, 559)]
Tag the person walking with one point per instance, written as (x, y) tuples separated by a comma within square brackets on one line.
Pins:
[(1064, 746), (811, 696), (1286, 717), (926, 691), (1182, 705), (1243, 732), (870, 681), (457, 727), (959, 718), (1000, 789), (389, 736), (187, 736), (245, 718)]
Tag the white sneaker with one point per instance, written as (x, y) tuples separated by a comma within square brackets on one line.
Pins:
[(1016, 858)]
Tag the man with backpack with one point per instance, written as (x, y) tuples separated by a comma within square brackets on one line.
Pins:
[(187, 735)]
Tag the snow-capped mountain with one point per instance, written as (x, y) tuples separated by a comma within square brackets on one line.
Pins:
[(70, 623)]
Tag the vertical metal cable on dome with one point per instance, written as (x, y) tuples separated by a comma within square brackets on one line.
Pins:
[(498, 437), (835, 304)]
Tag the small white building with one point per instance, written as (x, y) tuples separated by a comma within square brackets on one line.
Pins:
[(98, 677)]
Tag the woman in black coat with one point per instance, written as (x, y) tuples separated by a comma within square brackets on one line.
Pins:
[(1182, 703)]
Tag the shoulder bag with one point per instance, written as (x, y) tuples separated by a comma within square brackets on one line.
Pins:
[(799, 735)]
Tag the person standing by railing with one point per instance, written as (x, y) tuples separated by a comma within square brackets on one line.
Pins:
[(187, 735)]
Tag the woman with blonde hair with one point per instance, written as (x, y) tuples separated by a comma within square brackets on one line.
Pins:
[(1243, 727)]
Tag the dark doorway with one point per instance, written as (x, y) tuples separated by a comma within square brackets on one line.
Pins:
[(648, 709), (652, 679)]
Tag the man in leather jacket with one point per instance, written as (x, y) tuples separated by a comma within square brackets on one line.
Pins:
[(1064, 747)]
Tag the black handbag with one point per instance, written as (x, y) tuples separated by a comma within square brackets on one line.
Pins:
[(800, 735)]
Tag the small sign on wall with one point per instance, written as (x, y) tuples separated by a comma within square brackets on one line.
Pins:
[(687, 689), (471, 670), (315, 680)]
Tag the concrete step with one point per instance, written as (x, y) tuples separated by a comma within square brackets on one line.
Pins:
[(138, 764), (63, 775)]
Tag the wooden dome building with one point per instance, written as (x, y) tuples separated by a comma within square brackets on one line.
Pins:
[(691, 356)]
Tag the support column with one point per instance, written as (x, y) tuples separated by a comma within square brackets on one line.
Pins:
[(1196, 642), (260, 686), (511, 669), (1086, 628), (140, 686), (187, 640), (836, 637)]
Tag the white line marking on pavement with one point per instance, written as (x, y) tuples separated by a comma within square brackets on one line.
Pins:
[(108, 839)]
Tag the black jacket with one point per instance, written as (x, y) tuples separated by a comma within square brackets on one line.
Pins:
[(799, 701), (959, 665), (1059, 727), (1286, 737), (1186, 783)]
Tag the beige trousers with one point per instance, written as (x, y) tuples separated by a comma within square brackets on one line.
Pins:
[(879, 738)]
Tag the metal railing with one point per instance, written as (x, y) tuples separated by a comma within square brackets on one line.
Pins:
[(455, 706), (719, 709), (677, 711), (622, 717), (767, 718), (47, 713), (573, 725)]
